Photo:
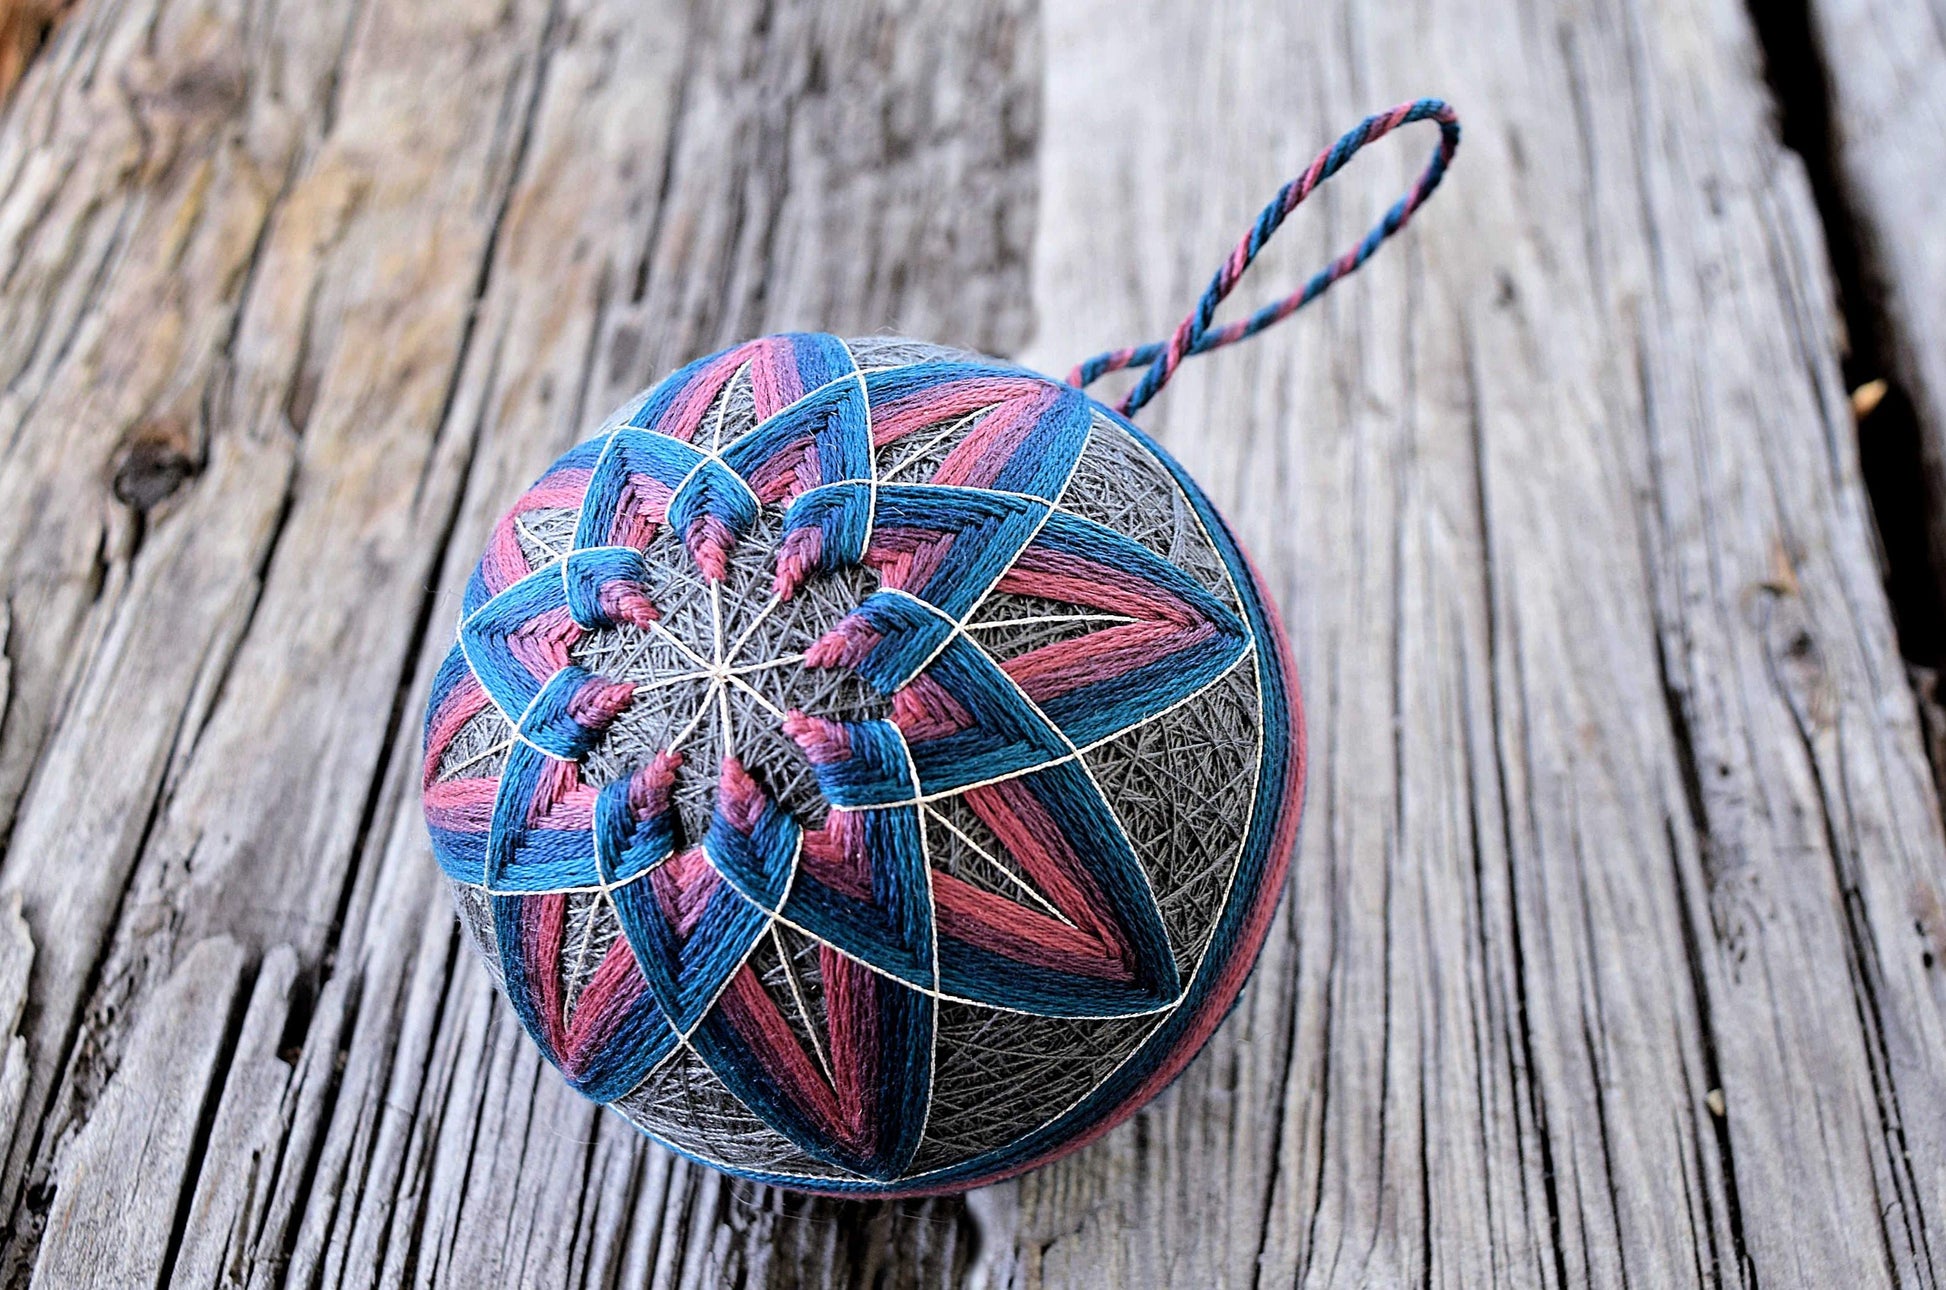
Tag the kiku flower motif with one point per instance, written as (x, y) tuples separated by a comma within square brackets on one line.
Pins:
[(737, 648)]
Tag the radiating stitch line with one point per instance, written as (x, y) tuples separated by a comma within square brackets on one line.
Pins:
[(552, 553), (797, 996), (452, 772), (919, 454), (927, 812)]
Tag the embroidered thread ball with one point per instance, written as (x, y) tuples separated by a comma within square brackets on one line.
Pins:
[(869, 767)]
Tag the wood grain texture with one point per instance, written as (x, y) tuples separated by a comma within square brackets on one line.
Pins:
[(1618, 798), (1610, 955), (293, 301), (1884, 67)]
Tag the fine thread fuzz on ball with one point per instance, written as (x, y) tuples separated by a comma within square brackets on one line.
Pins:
[(866, 766)]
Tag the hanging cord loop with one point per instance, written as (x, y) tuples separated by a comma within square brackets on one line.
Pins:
[(1194, 336)]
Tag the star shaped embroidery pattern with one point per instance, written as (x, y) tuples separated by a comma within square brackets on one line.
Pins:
[(672, 604)]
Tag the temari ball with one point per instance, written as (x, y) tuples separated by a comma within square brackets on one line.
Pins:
[(867, 767)]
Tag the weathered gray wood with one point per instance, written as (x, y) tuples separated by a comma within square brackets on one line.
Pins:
[(1599, 963), (16, 967), (1618, 799), (1884, 62), (123, 1180), (262, 1134), (281, 291)]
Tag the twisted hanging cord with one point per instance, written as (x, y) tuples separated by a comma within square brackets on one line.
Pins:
[(1194, 336)]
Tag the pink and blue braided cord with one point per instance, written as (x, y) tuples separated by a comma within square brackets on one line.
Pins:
[(1195, 335)]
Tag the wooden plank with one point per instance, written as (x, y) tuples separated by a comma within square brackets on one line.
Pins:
[(383, 262), (121, 1184), (1618, 799), (16, 968), (260, 1137), (1883, 68), (1598, 964)]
